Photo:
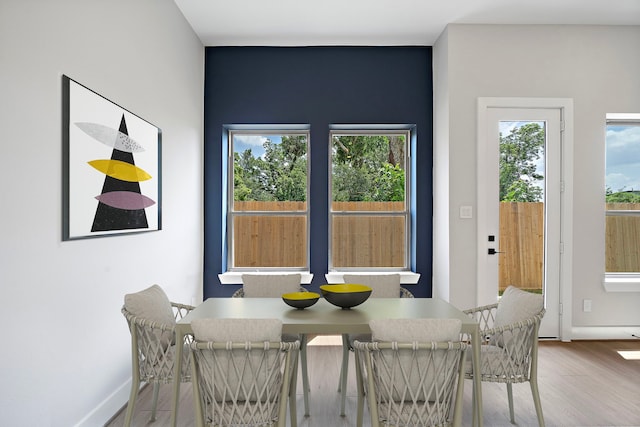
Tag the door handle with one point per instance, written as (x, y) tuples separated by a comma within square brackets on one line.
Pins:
[(492, 251)]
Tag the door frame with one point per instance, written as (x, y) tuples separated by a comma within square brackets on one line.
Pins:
[(485, 291)]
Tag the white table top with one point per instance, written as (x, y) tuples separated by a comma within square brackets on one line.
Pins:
[(325, 318)]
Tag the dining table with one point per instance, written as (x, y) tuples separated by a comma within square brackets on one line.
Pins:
[(324, 318)]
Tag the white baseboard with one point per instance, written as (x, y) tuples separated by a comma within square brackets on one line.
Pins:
[(604, 332), (107, 408)]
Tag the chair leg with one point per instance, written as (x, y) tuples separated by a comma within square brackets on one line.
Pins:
[(305, 374), (360, 387), (510, 397), (473, 405), (133, 396), (154, 405), (536, 400), (343, 373), (293, 410)]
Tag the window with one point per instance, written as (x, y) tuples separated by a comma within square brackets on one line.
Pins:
[(369, 207), (268, 216), (622, 199)]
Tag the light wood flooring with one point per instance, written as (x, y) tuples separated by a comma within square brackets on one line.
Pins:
[(582, 383)]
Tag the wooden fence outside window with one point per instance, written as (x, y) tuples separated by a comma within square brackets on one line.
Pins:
[(280, 241)]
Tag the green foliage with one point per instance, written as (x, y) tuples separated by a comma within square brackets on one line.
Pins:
[(622, 196), (389, 185), (518, 152), (365, 168), (280, 176)]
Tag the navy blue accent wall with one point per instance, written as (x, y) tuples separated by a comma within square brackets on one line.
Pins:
[(318, 86)]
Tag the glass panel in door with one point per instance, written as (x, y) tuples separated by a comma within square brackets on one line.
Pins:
[(522, 191)]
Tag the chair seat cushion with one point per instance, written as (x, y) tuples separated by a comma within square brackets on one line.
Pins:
[(495, 362), (161, 368)]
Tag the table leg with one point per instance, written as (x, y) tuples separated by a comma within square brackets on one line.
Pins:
[(176, 374), (477, 378)]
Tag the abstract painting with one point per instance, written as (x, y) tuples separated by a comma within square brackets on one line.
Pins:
[(112, 163)]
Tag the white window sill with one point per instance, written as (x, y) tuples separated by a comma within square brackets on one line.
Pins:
[(406, 277), (621, 282), (235, 277)]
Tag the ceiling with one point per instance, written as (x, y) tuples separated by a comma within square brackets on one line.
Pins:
[(381, 22)]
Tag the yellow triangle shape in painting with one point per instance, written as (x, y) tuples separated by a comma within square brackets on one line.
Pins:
[(120, 170)]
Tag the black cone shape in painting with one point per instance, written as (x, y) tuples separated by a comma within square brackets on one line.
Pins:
[(109, 218)]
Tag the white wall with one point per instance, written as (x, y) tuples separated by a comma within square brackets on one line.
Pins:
[(65, 356), (441, 159), (599, 68)]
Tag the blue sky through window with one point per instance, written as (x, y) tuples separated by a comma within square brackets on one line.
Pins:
[(253, 142), (623, 158)]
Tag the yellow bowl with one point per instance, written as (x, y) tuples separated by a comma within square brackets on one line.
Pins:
[(301, 300), (346, 295)]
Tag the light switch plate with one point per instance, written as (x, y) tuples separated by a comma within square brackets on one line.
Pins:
[(466, 212)]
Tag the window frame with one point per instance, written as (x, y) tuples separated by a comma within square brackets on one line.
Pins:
[(408, 131), (620, 281), (231, 213)]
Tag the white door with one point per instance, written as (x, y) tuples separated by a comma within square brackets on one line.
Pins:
[(519, 172)]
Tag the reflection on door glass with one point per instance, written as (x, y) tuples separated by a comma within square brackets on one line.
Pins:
[(522, 161), (522, 183)]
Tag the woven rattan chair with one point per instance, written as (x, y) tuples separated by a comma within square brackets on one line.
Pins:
[(273, 286), (509, 351), (383, 286), (242, 372), (151, 318), (413, 382)]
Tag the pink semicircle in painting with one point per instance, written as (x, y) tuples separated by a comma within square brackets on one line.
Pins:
[(125, 200)]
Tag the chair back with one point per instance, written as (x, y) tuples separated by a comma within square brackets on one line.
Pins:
[(510, 331), (269, 285), (152, 318), (242, 371), (511, 351), (382, 285), (413, 382)]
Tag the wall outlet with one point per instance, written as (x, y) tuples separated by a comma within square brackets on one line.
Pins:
[(586, 305)]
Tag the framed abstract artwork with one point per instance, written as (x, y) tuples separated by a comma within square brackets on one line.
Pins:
[(111, 167)]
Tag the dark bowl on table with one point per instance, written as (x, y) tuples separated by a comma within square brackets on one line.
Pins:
[(300, 300), (346, 295)]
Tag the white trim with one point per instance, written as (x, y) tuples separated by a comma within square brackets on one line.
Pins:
[(113, 404), (406, 277), (235, 277), (604, 332), (632, 117), (621, 282), (566, 214)]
